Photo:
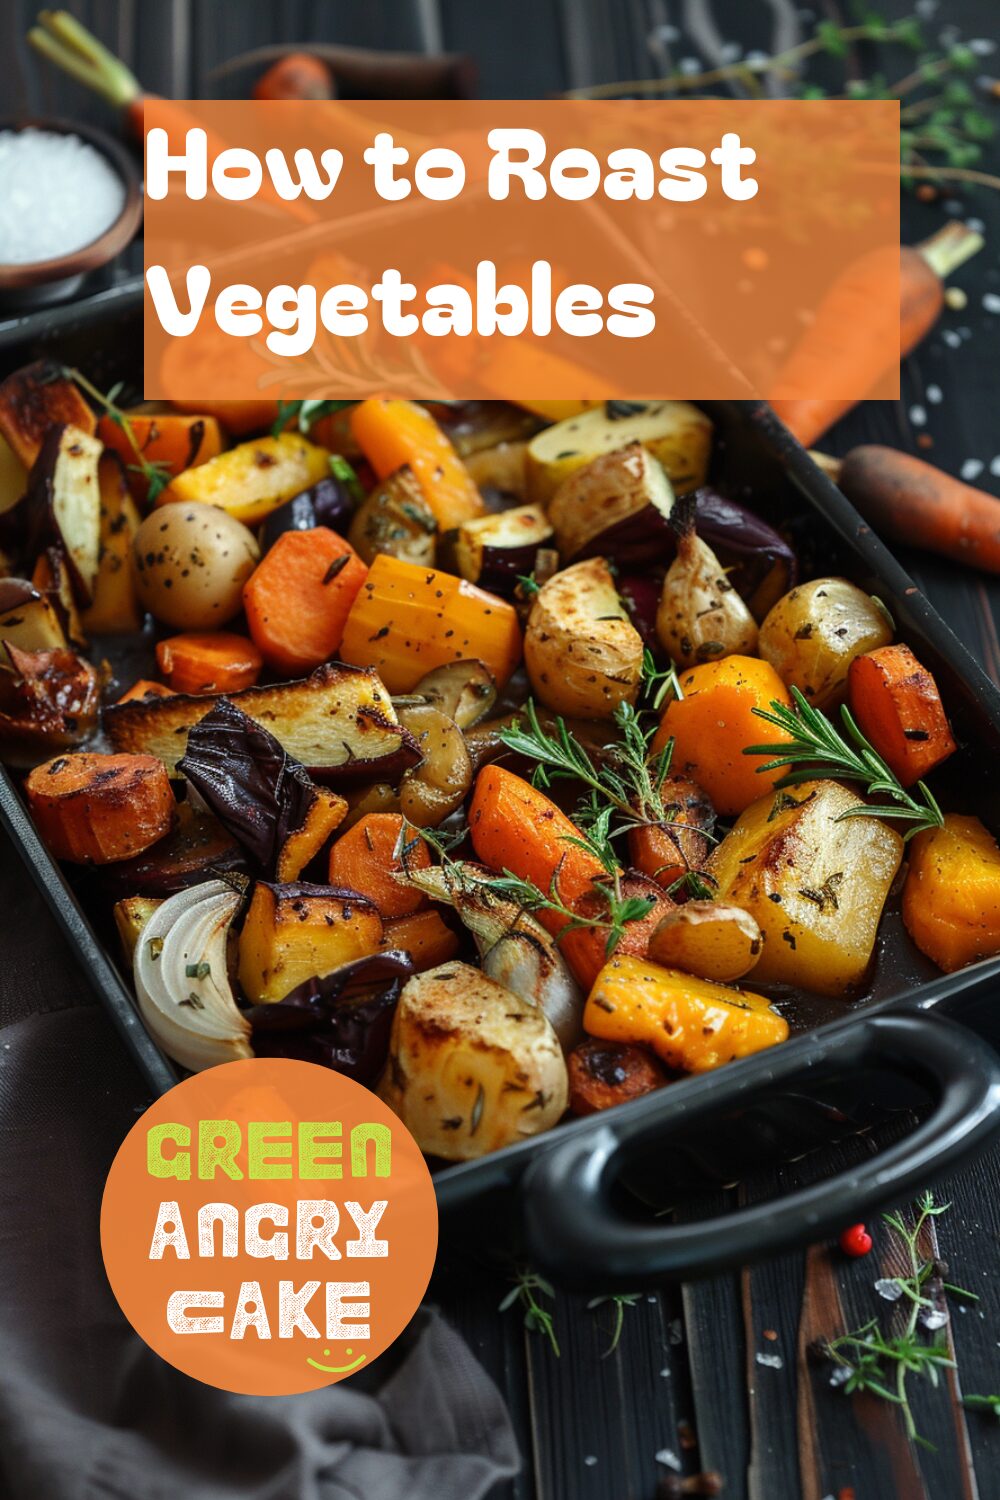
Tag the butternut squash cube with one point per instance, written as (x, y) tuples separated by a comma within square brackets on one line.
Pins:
[(297, 932), (951, 900)]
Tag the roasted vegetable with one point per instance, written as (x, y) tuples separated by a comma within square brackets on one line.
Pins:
[(168, 442), (499, 473), (28, 619), (190, 563), (131, 915), (298, 599), (812, 635), (815, 875), (712, 724), (263, 797), (675, 432), (482, 426), (340, 1021), (328, 502), (407, 620), (602, 1074), (182, 978), (239, 418), (464, 690), (758, 561), (494, 551), (897, 706), (297, 932), (95, 809), (951, 900), (618, 505), (691, 1024), (586, 949), (33, 401), (13, 478), (144, 688), (114, 608), (369, 856), (51, 575), (701, 617), (440, 783), (397, 433), (583, 655), (471, 1067), (395, 519), (197, 849), (253, 479), (216, 662), (49, 700), (64, 503), (339, 723), (667, 851), (708, 938)]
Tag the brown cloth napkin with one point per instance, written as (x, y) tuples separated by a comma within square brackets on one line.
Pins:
[(87, 1411)]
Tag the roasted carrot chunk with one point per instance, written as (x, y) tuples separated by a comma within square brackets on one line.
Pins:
[(215, 662), (95, 809), (394, 433), (365, 859), (298, 598), (170, 441), (425, 936), (897, 705)]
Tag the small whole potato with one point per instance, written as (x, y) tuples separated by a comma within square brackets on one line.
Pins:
[(815, 631), (708, 938), (190, 563)]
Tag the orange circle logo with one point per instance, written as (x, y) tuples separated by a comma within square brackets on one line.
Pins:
[(269, 1227)]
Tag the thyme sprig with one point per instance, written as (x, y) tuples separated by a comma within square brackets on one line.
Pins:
[(882, 1363), (619, 1301), (816, 748), (537, 1317), (305, 414), (156, 472)]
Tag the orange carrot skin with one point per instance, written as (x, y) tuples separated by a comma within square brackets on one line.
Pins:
[(897, 705), (364, 859), (172, 442), (297, 76), (424, 936), (394, 433), (299, 597), (215, 662), (96, 809), (910, 501)]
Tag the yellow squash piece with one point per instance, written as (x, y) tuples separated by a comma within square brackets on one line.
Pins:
[(951, 900), (815, 881), (252, 480), (297, 932), (692, 1024)]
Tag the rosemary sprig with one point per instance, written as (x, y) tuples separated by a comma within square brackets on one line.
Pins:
[(619, 909), (619, 1301), (816, 748), (537, 1318), (868, 1359), (305, 414), (155, 471)]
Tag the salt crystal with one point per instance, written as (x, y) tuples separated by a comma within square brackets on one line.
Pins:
[(991, 302), (770, 1361), (757, 59), (669, 1458), (982, 46), (590, 1460), (918, 416), (971, 469), (689, 65), (952, 339), (841, 1375), (976, 225), (59, 195), (730, 52), (889, 1289), (665, 34), (935, 395), (995, 466), (665, 1372), (932, 1317), (926, 9)]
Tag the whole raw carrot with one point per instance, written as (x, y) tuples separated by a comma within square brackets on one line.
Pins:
[(910, 501), (854, 321)]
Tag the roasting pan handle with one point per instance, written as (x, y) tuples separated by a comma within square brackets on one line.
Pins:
[(578, 1229)]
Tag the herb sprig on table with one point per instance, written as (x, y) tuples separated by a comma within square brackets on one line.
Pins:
[(816, 748)]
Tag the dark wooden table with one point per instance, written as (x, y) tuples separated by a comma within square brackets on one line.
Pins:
[(686, 1388)]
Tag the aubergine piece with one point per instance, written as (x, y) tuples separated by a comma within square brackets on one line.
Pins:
[(28, 619), (759, 562), (618, 506), (63, 504), (341, 1021), (328, 502), (260, 795), (50, 701), (197, 849), (339, 723), (395, 519), (494, 551)]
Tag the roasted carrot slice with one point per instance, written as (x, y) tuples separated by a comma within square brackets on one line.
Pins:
[(394, 433), (365, 859), (146, 688), (95, 809), (408, 619), (424, 936), (298, 599), (897, 705), (169, 440), (216, 662)]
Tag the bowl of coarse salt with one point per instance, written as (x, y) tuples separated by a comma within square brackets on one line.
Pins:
[(70, 201)]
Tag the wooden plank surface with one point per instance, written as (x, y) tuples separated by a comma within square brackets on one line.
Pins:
[(593, 1425)]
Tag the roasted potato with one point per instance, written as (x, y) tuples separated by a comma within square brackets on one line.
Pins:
[(582, 652), (64, 503), (708, 938), (675, 432), (812, 635), (191, 563), (471, 1067), (618, 505)]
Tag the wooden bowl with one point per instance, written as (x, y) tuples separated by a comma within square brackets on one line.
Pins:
[(31, 283)]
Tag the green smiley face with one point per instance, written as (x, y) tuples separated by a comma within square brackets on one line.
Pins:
[(337, 1369)]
